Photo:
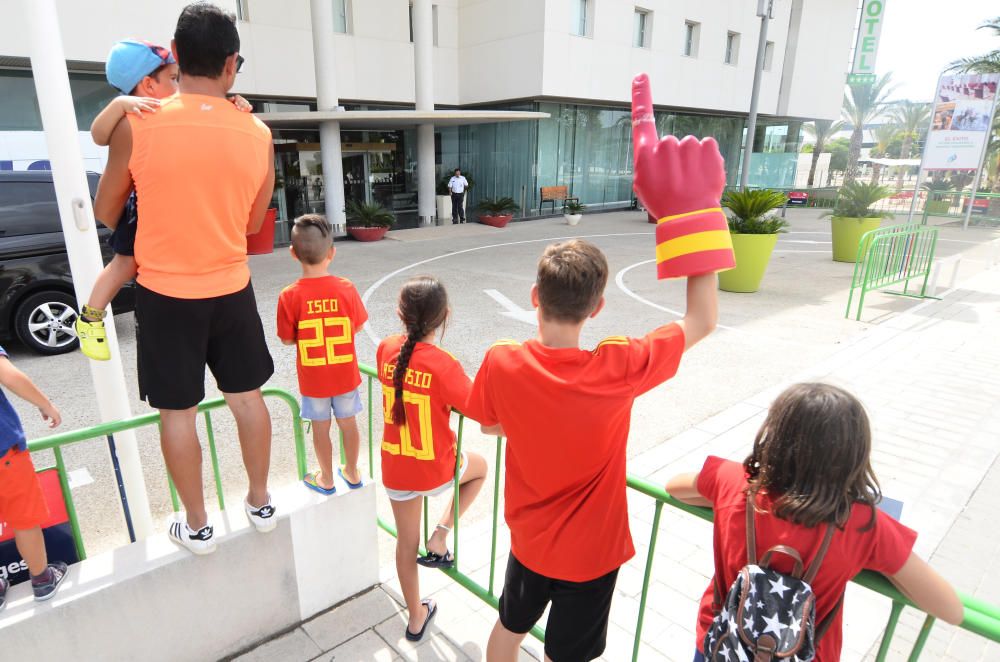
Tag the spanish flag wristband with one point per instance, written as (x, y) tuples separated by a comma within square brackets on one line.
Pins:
[(693, 243)]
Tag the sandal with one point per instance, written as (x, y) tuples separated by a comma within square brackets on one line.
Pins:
[(310, 482), (431, 610), (431, 560), (353, 486)]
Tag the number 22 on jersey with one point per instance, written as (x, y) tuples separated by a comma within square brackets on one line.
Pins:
[(406, 446), (322, 339)]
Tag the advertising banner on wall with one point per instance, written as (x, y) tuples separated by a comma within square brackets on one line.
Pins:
[(963, 112)]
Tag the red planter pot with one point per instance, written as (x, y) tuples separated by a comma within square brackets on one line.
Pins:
[(367, 234), (262, 241), (496, 221)]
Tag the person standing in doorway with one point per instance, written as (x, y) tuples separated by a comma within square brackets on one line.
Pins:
[(457, 185), (203, 173)]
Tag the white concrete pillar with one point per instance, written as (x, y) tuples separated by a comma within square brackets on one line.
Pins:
[(55, 104), (324, 56), (423, 65)]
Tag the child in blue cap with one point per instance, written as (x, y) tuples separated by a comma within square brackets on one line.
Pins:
[(143, 73)]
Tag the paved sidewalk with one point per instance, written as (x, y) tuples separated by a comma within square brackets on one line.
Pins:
[(930, 379)]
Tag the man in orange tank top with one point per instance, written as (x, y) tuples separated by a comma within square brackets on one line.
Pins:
[(203, 173)]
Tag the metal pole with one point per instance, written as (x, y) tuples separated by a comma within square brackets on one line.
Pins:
[(324, 58), (765, 14), (55, 104)]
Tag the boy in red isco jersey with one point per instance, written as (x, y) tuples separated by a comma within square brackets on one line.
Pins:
[(566, 412), (321, 314)]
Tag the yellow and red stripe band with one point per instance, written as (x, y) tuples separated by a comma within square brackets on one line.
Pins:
[(693, 243)]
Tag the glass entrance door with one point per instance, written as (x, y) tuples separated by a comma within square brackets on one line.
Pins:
[(356, 188)]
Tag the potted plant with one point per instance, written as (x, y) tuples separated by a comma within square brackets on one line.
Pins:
[(573, 212), (496, 211), (754, 232), (852, 216), (937, 202), (368, 221)]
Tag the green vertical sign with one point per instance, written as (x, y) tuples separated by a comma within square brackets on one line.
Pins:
[(869, 31)]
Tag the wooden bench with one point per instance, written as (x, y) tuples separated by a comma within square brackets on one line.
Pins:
[(554, 194)]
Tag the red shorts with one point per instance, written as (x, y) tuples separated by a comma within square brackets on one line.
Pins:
[(22, 505)]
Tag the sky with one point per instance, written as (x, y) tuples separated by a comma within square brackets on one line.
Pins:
[(921, 37)]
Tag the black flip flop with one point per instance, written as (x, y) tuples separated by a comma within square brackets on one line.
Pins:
[(432, 560), (431, 610)]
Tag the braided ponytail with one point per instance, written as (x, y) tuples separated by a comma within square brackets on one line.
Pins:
[(423, 307)]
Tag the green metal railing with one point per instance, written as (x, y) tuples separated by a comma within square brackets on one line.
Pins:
[(954, 204), (57, 442), (892, 255), (981, 618)]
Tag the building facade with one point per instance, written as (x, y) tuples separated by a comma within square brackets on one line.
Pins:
[(571, 59)]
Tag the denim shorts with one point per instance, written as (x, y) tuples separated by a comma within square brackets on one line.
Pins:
[(406, 495), (342, 406)]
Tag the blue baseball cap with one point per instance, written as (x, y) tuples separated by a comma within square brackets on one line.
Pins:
[(130, 61)]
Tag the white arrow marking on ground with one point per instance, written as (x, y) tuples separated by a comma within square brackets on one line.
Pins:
[(79, 478), (512, 310)]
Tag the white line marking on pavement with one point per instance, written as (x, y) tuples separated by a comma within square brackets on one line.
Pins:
[(620, 282), (79, 478), (511, 309), (381, 281)]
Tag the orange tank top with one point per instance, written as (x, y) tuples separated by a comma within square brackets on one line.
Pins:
[(197, 164)]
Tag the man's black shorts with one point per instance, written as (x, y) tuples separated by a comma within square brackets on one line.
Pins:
[(577, 628), (177, 338), (122, 238)]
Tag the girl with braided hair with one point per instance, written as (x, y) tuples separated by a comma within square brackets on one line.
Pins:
[(421, 384)]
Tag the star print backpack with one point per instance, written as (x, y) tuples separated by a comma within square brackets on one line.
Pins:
[(768, 615)]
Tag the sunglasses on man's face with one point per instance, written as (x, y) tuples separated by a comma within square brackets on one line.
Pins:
[(239, 62)]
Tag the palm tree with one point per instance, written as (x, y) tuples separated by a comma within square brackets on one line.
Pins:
[(863, 102), (910, 118), (988, 63), (821, 131), (884, 135)]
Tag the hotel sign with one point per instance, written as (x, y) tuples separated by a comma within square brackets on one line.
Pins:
[(869, 31)]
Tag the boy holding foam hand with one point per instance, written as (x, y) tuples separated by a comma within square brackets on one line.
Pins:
[(566, 411)]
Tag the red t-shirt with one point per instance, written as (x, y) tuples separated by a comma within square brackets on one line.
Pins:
[(566, 414), (883, 548), (323, 315), (420, 455)]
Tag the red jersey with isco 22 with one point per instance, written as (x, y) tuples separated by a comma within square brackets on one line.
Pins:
[(322, 315)]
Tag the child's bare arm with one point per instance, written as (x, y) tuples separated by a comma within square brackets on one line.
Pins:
[(104, 124), (286, 341), (492, 430), (929, 590), (684, 487), (702, 312), (21, 385)]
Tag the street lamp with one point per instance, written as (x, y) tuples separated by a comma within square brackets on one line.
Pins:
[(764, 10)]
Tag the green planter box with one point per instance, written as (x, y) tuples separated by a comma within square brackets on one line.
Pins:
[(753, 252), (847, 233)]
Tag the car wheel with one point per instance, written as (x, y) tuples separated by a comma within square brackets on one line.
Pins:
[(45, 322)]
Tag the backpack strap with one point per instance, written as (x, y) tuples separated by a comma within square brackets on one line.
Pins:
[(820, 555), (751, 531), (765, 561), (825, 624)]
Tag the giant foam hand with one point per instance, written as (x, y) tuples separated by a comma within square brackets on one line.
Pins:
[(680, 183)]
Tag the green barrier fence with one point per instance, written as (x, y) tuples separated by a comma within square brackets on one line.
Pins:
[(57, 442), (981, 618), (892, 255)]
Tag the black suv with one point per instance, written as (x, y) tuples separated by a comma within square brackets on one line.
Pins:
[(37, 302)]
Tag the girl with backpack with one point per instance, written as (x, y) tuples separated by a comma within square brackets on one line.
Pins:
[(815, 523), (421, 383)]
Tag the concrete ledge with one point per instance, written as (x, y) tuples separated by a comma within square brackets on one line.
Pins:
[(153, 601)]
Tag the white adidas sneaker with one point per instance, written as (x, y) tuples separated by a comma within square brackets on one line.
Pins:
[(201, 541), (262, 517)]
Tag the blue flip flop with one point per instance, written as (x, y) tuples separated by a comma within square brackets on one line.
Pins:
[(310, 482), (353, 486)]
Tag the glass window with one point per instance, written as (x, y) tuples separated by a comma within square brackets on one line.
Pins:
[(691, 39), (411, 22), (28, 208), (19, 106), (768, 55), (640, 32), (732, 47), (340, 16), (242, 10), (579, 20), (434, 18)]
